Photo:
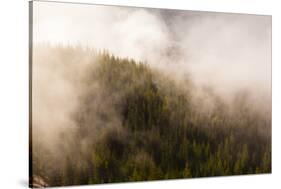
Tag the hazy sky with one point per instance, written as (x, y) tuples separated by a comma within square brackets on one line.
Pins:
[(216, 48)]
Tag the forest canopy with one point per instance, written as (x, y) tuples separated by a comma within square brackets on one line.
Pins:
[(129, 121)]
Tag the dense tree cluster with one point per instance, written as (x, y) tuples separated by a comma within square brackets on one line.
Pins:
[(135, 123)]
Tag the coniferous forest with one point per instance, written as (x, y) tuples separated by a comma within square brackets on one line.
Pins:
[(129, 121)]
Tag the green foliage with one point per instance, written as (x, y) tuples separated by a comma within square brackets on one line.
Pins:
[(142, 125)]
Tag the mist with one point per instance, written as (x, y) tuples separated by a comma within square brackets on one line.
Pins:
[(220, 60), (230, 50)]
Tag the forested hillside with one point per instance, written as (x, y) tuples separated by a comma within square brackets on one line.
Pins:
[(135, 123)]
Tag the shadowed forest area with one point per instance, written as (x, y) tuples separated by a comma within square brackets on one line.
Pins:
[(128, 121)]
